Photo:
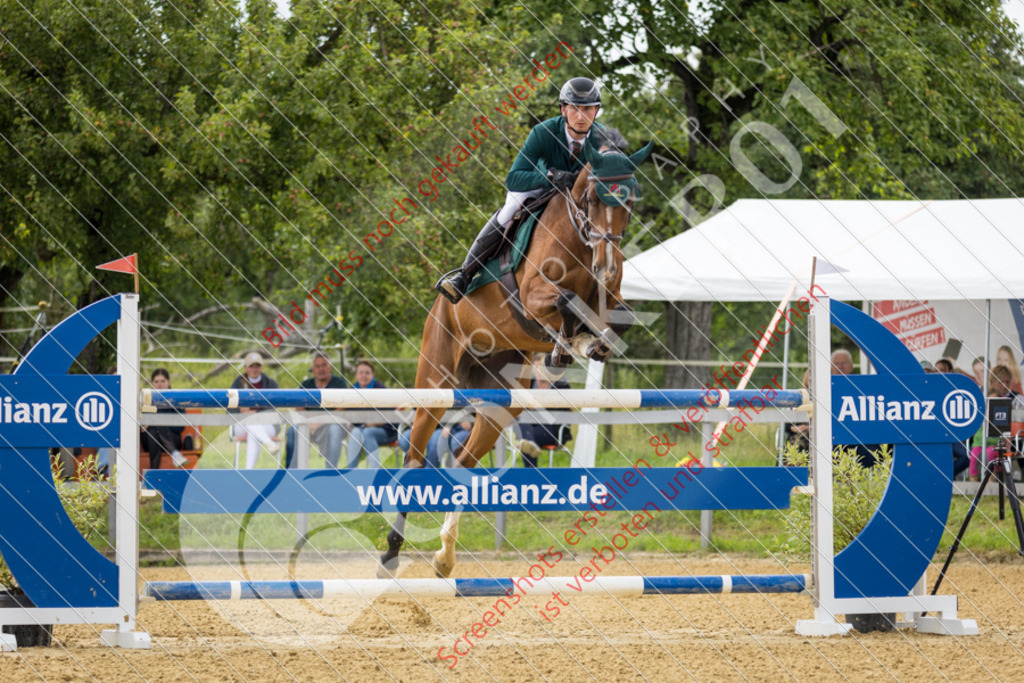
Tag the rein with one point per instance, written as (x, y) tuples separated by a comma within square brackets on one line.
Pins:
[(579, 215)]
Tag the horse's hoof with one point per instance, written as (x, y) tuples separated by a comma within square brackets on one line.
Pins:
[(442, 568), (559, 360), (598, 351), (387, 569)]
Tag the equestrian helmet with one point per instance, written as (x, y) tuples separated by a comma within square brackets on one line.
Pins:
[(581, 92)]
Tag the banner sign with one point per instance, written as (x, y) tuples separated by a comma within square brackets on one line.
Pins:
[(920, 408), (65, 410), (481, 490)]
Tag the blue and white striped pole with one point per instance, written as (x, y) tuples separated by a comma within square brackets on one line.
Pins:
[(617, 586), (460, 398)]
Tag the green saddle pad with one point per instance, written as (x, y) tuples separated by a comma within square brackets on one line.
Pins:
[(492, 271)]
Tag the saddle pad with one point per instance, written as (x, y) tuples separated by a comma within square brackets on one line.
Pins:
[(492, 271)]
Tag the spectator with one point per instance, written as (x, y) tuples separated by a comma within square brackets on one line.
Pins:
[(842, 362), (944, 365), (443, 440), (371, 435), (999, 381), (257, 435), (537, 437), (978, 368), (799, 433), (1006, 358), (961, 461), (328, 436), (157, 440)]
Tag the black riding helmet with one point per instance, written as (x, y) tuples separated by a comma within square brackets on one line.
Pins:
[(580, 91)]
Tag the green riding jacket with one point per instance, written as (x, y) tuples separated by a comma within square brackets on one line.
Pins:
[(545, 148)]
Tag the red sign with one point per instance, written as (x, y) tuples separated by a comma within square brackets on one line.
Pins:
[(925, 339), (909, 323), (883, 309)]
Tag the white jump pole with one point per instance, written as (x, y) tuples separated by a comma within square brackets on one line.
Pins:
[(126, 482)]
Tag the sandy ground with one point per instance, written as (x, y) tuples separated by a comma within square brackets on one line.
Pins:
[(707, 638)]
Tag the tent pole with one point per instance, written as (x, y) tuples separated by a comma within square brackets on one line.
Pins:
[(984, 389), (865, 362)]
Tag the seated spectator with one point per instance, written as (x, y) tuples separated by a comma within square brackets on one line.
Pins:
[(371, 435), (999, 381), (537, 437), (444, 440), (799, 433), (978, 368), (842, 362), (158, 440), (961, 460), (1005, 358), (327, 437), (257, 435)]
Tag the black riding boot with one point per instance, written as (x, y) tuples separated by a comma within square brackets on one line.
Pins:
[(453, 285)]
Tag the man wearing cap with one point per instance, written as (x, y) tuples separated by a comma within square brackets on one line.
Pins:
[(551, 157), (327, 436), (256, 435)]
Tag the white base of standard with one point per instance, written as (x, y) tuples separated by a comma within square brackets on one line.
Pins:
[(131, 640), (8, 643), (947, 627)]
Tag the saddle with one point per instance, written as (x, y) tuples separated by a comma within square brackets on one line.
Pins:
[(515, 243)]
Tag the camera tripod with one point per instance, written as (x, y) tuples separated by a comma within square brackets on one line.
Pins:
[(1001, 468)]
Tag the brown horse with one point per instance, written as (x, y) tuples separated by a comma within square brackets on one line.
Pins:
[(572, 268)]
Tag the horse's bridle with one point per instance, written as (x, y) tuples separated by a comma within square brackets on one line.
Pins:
[(579, 214)]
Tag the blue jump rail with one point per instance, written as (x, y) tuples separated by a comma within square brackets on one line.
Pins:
[(460, 398), (618, 586)]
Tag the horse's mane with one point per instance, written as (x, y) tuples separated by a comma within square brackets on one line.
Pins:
[(610, 138)]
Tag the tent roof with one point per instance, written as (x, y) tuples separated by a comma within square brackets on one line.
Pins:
[(752, 251)]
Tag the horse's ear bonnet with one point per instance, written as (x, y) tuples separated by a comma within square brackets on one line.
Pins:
[(640, 156), (621, 190)]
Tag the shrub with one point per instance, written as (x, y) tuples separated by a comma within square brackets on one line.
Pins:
[(856, 493)]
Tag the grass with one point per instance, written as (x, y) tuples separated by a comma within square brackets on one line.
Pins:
[(749, 532)]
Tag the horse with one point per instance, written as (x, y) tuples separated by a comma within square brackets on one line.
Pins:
[(573, 265)]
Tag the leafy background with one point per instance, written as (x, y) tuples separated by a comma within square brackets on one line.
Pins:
[(243, 151)]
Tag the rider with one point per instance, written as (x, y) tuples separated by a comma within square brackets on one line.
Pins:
[(551, 157)]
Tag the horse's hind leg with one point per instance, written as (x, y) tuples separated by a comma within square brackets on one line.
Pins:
[(422, 427), (389, 560), (444, 559)]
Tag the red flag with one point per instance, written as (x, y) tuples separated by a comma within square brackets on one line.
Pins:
[(121, 265)]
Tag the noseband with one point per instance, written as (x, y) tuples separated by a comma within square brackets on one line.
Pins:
[(579, 214)]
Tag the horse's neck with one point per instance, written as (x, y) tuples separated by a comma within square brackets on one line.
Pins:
[(558, 235)]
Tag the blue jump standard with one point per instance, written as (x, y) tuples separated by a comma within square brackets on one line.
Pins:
[(618, 586)]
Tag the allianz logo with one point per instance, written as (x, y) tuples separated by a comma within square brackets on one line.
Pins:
[(958, 409), (93, 411)]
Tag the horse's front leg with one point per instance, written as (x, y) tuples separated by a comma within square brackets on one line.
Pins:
[(486, 429), (599, 332)]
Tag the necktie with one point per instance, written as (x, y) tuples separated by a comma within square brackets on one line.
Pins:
[(577, 149)]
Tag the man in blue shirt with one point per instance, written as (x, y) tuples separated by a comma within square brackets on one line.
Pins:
[(551, 157), (327, 436)]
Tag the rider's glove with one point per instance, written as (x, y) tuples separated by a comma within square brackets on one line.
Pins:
[(562, 180)]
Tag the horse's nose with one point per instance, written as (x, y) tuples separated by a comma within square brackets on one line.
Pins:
[(607, 274), (607, 271)]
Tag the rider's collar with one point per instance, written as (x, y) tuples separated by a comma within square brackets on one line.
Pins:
[(569, 139)]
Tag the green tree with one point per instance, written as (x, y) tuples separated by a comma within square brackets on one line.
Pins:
[(926, 98)]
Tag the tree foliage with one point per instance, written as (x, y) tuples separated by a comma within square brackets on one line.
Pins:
[(244, 153)]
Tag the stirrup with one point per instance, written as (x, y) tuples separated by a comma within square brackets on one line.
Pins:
[(447, 289)]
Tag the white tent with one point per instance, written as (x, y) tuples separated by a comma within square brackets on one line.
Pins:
[(915, 250), (966, 251)]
